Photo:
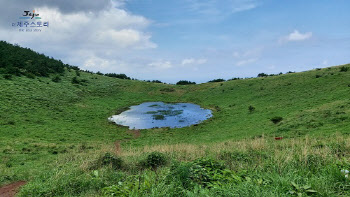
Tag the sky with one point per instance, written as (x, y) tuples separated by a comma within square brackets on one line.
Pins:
[(196, 40)]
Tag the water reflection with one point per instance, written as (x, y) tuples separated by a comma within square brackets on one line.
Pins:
[(158, 114)]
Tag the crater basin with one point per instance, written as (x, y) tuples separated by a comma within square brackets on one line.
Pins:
[(159, 114)]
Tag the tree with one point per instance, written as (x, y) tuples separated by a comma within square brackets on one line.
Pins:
[(184, 82), (262, 75), (216, 80), (119, 76)]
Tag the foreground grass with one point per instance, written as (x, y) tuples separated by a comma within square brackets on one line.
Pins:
[(261, 167)]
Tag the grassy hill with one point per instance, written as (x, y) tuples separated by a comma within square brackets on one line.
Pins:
[(55, 134)]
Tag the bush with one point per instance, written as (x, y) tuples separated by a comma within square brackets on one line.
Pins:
[(56, 79), (184, 82), (251, 109), (344, 69), (7, 76), (262, 75), (30, 75), (276, 119), (318, 76), (154, 160), (216, 80), (109, 159), (156, 81), (119, 76), (75, 80), (206, 172)]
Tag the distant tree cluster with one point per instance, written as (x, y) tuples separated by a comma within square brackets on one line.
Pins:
[(16, 60), (156, 81), (270, 75), (184, 82), (216, 80), (119, 76)]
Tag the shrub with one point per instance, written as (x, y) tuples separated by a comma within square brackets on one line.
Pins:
[(119, 76), (77, 73), (56, 79), (216, 80), (251, 109), (156, 81), (276, 119), (184, 82), (154, 160), (99, 73), (75, 80), (344, 69), (11, 122), (262, 75), (30, 75), (206, 172), (8, 76), (110, 159), (318, 76)]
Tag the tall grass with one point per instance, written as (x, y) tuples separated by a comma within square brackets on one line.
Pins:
[(265, 167)]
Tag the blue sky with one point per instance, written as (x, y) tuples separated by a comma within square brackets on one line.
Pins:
[(195, 40)]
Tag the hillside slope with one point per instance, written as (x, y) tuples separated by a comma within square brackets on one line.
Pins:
[(42, 118)]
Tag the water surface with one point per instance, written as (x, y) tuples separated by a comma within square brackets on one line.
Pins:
[(158, 114)]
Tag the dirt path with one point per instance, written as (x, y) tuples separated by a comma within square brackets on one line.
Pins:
[(10, 190)]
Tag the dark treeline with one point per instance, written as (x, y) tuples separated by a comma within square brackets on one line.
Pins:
[(119, 76), (184, 82), (216, 80), (16, 60)]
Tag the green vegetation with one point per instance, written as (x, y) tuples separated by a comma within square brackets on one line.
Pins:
[(184, 82), (216, 80), (20, 61), (158, 117), (119, 76), (56, 135)]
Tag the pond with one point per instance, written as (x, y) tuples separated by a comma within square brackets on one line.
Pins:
[(158, 114)]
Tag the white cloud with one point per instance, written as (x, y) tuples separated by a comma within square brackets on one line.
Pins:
[(325, 62), (193, 61), (222, 7), (107, 40), (245, 62), (296, 36), (160, 64)]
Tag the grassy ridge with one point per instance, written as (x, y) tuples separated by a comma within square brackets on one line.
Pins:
[(41, 120)]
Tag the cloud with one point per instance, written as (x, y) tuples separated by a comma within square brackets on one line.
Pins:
[(216, 10), (160, 64), (193, 61), (325, 62), (296, 36), (64, 6), (106, 40), (217, 6), (245, 62)]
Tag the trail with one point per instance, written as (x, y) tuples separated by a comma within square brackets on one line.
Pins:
[(10, 190)]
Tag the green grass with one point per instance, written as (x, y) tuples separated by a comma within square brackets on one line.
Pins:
[(44, 122)]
